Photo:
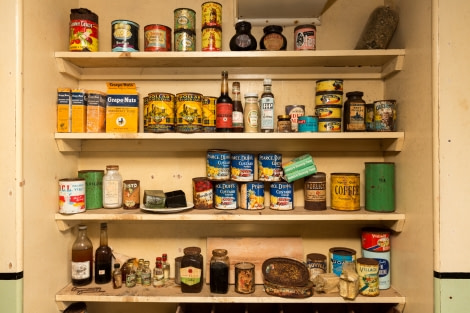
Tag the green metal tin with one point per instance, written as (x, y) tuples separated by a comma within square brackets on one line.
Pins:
[(93, 188), (380, 186)]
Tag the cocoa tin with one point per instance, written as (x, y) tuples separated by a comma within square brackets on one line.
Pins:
[(338, 256)]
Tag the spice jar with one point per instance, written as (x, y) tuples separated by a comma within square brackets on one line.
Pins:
[(284, 124), (354, 117), (379, 29), (273, 39), (243, 40), (219, 268), (191, 271)]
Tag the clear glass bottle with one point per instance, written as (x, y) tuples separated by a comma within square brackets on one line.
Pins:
[(354, 116), (251, 115), (219, 269), (158, 273), (192, 270), (243, 40), (82, 258), (146, 274), (237, 112), (130, 275), (112, 187), (273, 39), (166, 267), (224, 107), (117, 276), (267, 108), (103, 258), (138, 272)]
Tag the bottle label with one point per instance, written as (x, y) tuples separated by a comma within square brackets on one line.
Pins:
[(243, 41), (190, 275), (267, 113), (252, 120), (80, 270), (356, 117), (237, 119), (110, 192), (223, 118)]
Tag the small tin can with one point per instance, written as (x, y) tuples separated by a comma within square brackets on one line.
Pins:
[(308, 124), (305, 37), (368, 271), (242, 167), (281, 196), (131, 194), (184, 19), (211, 14), (375, 239), (329, 111), (269, 166), (203, 195), (252, 196), (329, 98), (345, 191), (384, 266), (315, 192), (245, 277), (72, 195), (329, 85), (159, 112), (157, 38), (188, 112), (385, 114), (226, 195), (125, 36), (329, 125), (211, 39), (83, 34), (316, 264), (284, 124), (93, 188), (380, 186), (185, 40), (295, 111), (208, 114), (370, 127), (339, 256), (218, 165)]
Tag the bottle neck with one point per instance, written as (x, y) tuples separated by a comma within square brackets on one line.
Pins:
[(267, 89), (104, 237), (224, 86)]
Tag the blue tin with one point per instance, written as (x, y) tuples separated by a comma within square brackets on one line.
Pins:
[(269, 166), (218, 165), (281, 196), (308, 124), (225, 197), (252, 196), (384, 266), (243, 167), (339, 256)]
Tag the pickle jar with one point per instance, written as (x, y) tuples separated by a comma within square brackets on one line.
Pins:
[(219, 268), (273, 39), (243, 40), (191, 271)]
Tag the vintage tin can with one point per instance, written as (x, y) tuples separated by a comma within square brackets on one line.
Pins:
[(370, 127), (131, 194), (345, 191), (329, 111), (211, 39), (124, 35), (384, 266), (93, 188), (185, 40), (218, 165), (226, 195), (295, 111), (157, 38), (83, 30), (375, 239), (329, 125), (203, 195), (184, 19), (188, 112), (269, 166), (315, 192), (252, 196), (305, 37), (307, 124), (328, 98), (339, 256), (244, 277), (72, 195), (281, 196), (208, 114), (380, 186), (385, 115), (177, 270), (242, 166), (159, 113), (329, 85), (316, 264), (368, 271), (211, 14)]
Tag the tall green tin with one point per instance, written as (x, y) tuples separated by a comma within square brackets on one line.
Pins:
[(380, 186), (93, 188)]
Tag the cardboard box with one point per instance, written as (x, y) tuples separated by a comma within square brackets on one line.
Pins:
[(96, 112), (79, 110), (122, 108), (64, 110)]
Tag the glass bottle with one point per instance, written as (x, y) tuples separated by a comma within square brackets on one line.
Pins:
[(192, 271), (138, 272), (273, 39), (146, 274), (267, 108), (219, 268), (379, 29), (82, 258), (117, 276), (130, 275), (243, 40), (251, 115), (158, 273), (224, 107), (103, 258), (166, 267), (112, 188), (354, 116), (237, 113)]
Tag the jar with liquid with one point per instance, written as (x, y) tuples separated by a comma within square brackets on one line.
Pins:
[(112, 187), (219, 268), (191, 271), (251, 114)]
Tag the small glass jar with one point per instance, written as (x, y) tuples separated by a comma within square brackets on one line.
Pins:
[(112, 187), (191, 272), (273, 39), (219, 268), (284, 124), (354, 117), (117, 276), (243, 40)]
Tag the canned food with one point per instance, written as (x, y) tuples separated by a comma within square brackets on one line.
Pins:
[(368, 271), (131, 194), (329, 125), (157, 38), (307, 124), (384, 266), (242, 167), (93, 188), (316, 264), (385, 114), (370, 127), (83, 34), (269, 166), (188, 112), (218, 165), (225, 195), (329, 98), (375, 239), (184, 19), (252, 196), (305, 37), (202, 193), (159, 112), (345, 191), (339, 256), (211, 14), (329, 85), (72, 195), (211, 39), (281, 196), (294, 111), (208, 113), (125, 35), (185, 40), (329, 111)]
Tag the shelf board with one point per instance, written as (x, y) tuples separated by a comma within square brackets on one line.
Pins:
[(179, 142)]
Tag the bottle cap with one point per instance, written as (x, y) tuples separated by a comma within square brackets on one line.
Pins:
[(267, 81)]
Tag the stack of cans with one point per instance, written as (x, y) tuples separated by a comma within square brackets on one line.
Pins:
[(185, 35), (376, 245), (329, 104), (211, 26)]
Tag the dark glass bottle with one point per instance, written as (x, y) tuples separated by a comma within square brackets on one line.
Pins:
[(192, 271), (219, 268), (273, 39), (243, 40), (82, 258), (103, 258), (354, 116), (237, 113), (224, 107)]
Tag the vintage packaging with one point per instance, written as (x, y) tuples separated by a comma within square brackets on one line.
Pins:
[(64, 110), (96, 112), (79, 102), (122, 108)]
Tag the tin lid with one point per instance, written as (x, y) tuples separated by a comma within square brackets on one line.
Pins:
[(343, 251), (305, 26), (192, 250), (354, 93), (316, 257), (283, 116), (219, 252), (112, 167), (367, 261)]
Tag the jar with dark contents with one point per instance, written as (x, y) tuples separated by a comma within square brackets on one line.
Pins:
[(191, 271), (284, 124), (273, 39), (219, 268), (243, 40)]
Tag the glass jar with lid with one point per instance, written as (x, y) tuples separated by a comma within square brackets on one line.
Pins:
[(273, 39), (219, 269), (191, 271), (354, 116), (112, 187), (243, 40)]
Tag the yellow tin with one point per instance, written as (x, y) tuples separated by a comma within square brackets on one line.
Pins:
[(345, 191), (211, 39), (329, 98), (188, 112), (329, 125), (328, 111), (159, 112), (211, 14), (329, 85)]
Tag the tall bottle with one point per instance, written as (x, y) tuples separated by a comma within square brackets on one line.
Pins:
[(82, 258), (224, 107), (267, 108), (166, 267), (251, 113), (103, 258), (237, 113), (112, 187), (219, 268)]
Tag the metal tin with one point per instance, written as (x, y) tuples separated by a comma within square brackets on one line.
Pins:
[(375, 239), (157, 38), (72, 195), (305, 37), (269, 166), (245, 277), (218, 165), (308, 124), (315, 192), (208, 114), (385, 115), (185, 40), (93, 188), (329, 125), (329, 111), (184, 19), (284, 124), (329, 85), (188, 112), (295, 111), (252, 196), (370, 127), (203, 195), (345, 191), (384, 266), (380, 186), (339, 256), (211, 39), (329, 98), (211, 14), (131, 194), (226, 196), (368, 271), (159, 112), (281, 196), (242, 166), (316, 264), (83, 30), (125, 35)]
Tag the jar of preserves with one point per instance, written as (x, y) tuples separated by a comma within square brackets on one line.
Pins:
[(284, 124), (112, 187), (273, 39), (191, 271), (354, 117), (219, 268), (243, 40)]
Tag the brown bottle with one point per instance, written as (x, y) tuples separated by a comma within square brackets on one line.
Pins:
[(82, 258), (237, 113), (103, 258), (354, 119), (224, 107)]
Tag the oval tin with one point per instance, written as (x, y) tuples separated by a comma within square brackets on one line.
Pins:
[(329, 98), (329, 85), (285, 272), (329, 111)]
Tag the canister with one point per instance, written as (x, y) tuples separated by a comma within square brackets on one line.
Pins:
[(208, 114), (375, 239), (329, 125), (244, 277), (380, 186), (368, 271), (184, 18), (329, 111), (295, 111), (211, 39), (125, 35), (131, 194), (307, 124), (226, 195), (188, 112), (385, 114), (211, 14), (93, 188), (159, 112), (328, 98), (72, 195), (384, 266), (305, 37), (345, 191), (218, 164), (185, 40), (157, 38), (242, 167), (252, 196), (315, 192), (338, 256), (329, 85), (269, 166), (202, 193), (316, 264), (281, 196)]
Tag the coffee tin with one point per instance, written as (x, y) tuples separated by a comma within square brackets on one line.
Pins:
[(211, 14), (269, 166), (368, 271), (384, 266), (315, 192), (305, 37), (185, 40), (380, 186), (125, 35), (329, 85), (338, 256), (157, 38), (385, 115), (329, 98), (211, 39), (184, 19), (72, 195), (159, 112), (208, 113), (316, 264), (281, 196), (329, 125), (242, 166), (295, 111), (307, 124), (345, 191), (131, 194), (329, 111), (252, 196), (218, 165), (93, 188), (375, 239), (188, 112), (226, 195), (202, 193)]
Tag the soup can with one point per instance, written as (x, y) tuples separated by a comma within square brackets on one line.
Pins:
[(329, 98), (159, 112), (157, 38), (125, 35), (242, 166), (211, 39), (252, 196), (185, 40), (245, 277), (329, 111), (269, 166), (385, 115), (384, 266), (184, 19), (211, 14), (208, 114), (93, 188), (316, 264), (72, 195), (305, 37), (307, 124), (375, 239), (281, 196), (345, 191), (368, 271), (380, 186), (188, 112), (203, 195), (329, 85), (339, 256), (131, 194), (226, 195), (218, 165), (295, 111), (329, 125)]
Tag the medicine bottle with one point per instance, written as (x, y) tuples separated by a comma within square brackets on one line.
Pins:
[(112, 187)]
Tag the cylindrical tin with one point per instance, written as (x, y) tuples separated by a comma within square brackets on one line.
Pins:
[(339, 256), (385, 114), (305, 37), (384, 266), (329, 125), (159, 112), (252, 196), (269, 166), (211, 39), (245, 277), (345, 191), (328, 98), (375, 239), (307, 124), (203, 195), (131, 194), (218, 165), (211, 14), (83, 30), (208, 114), (177, 270), (124, 36), (185, 40), (72, 195), (242, 167), (184, 19), (295, 111), (281, 196), (368, 271), (93, 188), (328, 111), (157, 38), (226, 195), (329, 85), (380, 186), (370, 127), (315, 192), (188, 112), (316, 263)]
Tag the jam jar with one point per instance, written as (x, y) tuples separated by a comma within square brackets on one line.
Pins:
[(243, 40), (191, 271), (273, 39)]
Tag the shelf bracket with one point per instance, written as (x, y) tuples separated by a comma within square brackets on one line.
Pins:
[(68, 68), (63, 225), (394, 65), (69, 145)]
